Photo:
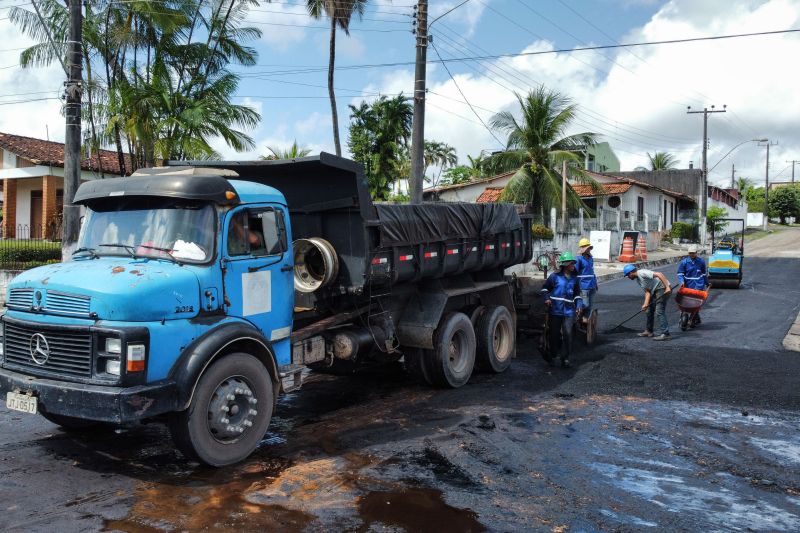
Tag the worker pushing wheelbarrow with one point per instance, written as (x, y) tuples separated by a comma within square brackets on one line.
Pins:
[(693, 288)]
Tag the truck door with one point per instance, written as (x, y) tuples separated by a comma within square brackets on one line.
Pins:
[(258, 281)]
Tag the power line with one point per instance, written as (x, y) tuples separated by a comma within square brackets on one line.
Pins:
[(465, 97)]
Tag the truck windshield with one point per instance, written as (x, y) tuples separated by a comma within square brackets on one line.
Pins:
[(168, 231)]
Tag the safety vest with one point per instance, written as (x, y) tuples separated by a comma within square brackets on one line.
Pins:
[(693, 274), (584, 268), (564, 293)]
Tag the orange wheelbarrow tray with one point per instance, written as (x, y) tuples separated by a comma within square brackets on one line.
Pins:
[(690, 300)]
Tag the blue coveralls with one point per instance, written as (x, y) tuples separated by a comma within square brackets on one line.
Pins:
[(584, 268), (693, 273), (564, 293)]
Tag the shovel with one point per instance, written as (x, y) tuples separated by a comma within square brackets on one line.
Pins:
[(639, 312)]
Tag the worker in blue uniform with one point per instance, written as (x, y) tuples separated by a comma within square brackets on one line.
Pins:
[(584, 268), (562, 296), (693, 274)]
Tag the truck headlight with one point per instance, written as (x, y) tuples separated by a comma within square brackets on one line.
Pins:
[(136, 358), (113, 367), (113, 345)]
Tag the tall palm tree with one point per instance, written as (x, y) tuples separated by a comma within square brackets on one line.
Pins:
[(743, 185), (439, 154), (340, 12), (477, 164), (294, 152), (662, 161), (537, 146)]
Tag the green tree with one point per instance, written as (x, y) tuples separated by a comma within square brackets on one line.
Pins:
[(743, 185), (458, 175), (294, 152), (713, 216), (537, 145), (477, 164), (163, 88), (441, 155), (340, 12), (662, 161), (784, 202), (379, 136)]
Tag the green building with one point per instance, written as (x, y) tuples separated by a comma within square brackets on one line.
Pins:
[(600, 158)]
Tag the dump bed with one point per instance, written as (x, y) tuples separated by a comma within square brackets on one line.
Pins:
[(383, 244)]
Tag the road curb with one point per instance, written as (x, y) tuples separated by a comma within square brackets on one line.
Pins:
[(792, 339), (643, 264)]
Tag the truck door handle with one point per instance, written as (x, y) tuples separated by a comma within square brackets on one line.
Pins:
[(287, 268)]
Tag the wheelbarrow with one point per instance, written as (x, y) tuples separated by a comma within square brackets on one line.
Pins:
[(689, 301)]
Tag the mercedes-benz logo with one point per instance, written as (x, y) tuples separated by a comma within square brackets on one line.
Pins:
[(40, 349)]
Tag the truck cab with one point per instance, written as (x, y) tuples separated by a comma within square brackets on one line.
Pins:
[(171, 274)]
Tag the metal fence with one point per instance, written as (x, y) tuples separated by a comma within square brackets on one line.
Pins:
[(26, 246)]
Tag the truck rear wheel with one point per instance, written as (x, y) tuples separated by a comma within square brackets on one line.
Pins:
[(494, 333), (452, 359), (229, 412)]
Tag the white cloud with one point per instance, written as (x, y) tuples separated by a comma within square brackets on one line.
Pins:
[(283, 26), (28, 115), (468, 15), (640, 104)]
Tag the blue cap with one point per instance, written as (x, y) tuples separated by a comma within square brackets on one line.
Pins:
[(628, 269)]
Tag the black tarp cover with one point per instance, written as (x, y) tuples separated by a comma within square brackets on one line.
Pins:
[(402, 224)]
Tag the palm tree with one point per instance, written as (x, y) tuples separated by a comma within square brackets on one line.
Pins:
[(537, 146), (439, 154), (662, 161), (294, 152), (743, 185), (477, 164), (339, 12)]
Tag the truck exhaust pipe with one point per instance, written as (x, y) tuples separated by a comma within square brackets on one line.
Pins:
[(315, 264)]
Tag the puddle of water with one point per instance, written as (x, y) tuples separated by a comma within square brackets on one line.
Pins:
[(416, 509), (210, 501)]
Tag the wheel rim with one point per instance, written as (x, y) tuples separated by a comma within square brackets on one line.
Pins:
[(501, 340), (232, 409), (456, 356)]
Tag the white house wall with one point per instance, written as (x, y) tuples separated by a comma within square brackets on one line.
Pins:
[(470, 193)]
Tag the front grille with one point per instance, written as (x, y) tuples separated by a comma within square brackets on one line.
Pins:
[(61, 302), (20, 298), (70, 352)]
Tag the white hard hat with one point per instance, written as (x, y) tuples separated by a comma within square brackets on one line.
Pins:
[(692, 248)]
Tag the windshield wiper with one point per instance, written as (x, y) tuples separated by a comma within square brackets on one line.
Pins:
[(128, 248), (91, 251), (159, 249)]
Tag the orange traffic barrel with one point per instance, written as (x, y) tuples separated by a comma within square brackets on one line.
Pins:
[(641, 248), (627, 255)]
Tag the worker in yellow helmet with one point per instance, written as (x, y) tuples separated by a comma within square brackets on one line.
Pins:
[(584, 269)]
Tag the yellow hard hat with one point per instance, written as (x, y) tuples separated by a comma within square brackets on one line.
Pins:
[(584, 242)]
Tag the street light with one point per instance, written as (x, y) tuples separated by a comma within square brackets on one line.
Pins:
[(734, 148)]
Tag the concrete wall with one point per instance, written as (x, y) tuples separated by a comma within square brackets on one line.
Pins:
[(755, 220), (686, 181), (605, 160), (470, 192)]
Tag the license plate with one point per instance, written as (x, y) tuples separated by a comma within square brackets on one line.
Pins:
[(21, 402)]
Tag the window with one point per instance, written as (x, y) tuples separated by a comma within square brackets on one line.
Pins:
[(257, 232), (614, 201), (640, 207)]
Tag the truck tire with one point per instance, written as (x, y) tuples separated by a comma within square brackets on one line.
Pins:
[(415, 363), (452, 359), (229, 413), (69, 423), (495, 336)]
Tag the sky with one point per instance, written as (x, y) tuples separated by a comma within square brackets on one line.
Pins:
[(635, 98)]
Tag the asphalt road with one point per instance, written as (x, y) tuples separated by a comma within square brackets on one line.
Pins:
[(699, 433)]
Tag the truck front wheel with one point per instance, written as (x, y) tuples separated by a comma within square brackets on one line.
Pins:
[(453, 356), (229, 413)]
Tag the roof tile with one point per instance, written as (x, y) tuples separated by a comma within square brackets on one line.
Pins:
[(51, 153), (490, 195)]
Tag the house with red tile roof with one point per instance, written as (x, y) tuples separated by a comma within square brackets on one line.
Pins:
[(631, 198), (32, 177)]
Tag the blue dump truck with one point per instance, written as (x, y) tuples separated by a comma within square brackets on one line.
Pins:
[(199, 291)]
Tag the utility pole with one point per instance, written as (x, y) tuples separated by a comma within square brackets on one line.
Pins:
[(564, 196), (704, 185), (766, 183), (733, 176), (418, 126), (793, 162), (72, 137)]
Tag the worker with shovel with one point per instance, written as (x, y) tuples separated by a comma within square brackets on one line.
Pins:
[(657, 290), (562, 296)]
